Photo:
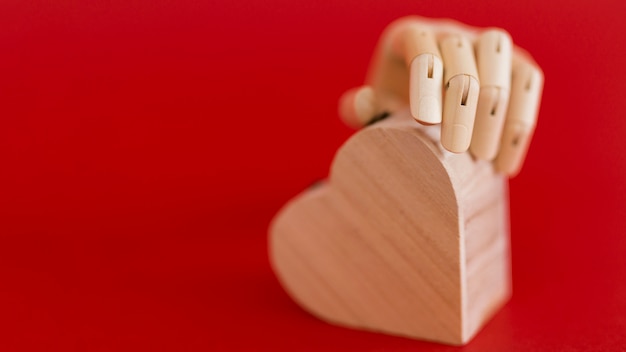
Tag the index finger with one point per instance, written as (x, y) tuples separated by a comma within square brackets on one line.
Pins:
[(417, 45)]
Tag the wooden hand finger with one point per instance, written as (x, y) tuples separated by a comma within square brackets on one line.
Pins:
[(526, 89), (494, 52), (462, 89)]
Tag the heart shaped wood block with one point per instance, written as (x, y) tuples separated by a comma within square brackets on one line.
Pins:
[(405, 238)]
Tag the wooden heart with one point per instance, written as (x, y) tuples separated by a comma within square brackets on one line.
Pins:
[(405, 238)]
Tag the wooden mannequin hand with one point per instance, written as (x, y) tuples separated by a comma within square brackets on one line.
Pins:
[(483, 91)]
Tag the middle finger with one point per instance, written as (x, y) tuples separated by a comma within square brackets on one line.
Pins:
[(462, 89)]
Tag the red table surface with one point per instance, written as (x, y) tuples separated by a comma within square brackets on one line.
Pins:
[(145, 146)]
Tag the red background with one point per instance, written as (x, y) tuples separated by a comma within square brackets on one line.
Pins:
[(145, 145)]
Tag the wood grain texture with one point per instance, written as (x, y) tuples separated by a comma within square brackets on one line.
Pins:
[(405, 238)]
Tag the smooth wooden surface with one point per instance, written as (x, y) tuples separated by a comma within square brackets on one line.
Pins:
[(405, 238)]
